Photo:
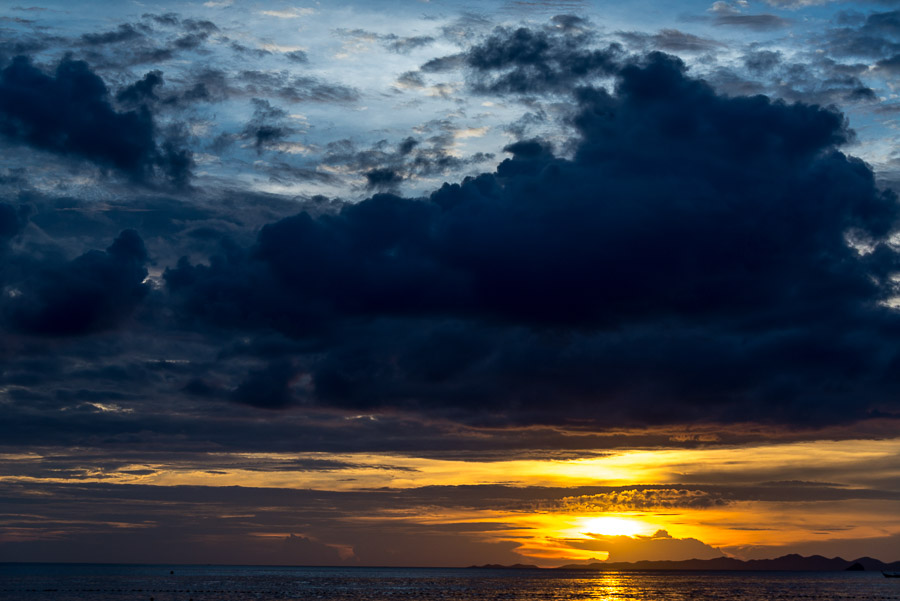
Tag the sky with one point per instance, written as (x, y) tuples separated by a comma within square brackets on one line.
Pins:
[(444, 283)]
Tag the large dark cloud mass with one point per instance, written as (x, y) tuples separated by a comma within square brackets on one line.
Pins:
[(70, 113), (93, 292), (699, 257), (685, 257), (351, 253)]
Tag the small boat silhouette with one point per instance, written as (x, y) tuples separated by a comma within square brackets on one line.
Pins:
[(891, 574)]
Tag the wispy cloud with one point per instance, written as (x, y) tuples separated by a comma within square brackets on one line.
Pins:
[(290, 13)]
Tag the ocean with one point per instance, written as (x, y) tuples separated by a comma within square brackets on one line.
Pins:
[(89, 582)]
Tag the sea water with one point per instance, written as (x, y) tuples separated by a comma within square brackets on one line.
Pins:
[(87, 582)]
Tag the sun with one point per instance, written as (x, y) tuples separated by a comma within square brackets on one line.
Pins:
[(611, 526)]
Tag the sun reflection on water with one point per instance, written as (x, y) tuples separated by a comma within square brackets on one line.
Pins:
[(607, 586)]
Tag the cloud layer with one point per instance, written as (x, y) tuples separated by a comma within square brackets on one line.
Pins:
[(686, 257), (235, 242), (728, 235)]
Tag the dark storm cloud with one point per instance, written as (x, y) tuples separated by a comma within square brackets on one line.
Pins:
[(268, 388), (382, 178), (12, 220), (91, 293), (47, 295), (528, 61), (198, 379), (553, 290), (587, 282), (69, 113)]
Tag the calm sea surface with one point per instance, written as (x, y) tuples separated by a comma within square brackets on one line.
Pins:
[(67, 582)]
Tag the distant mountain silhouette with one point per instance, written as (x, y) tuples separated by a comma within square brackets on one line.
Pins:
[(786, 563), (792, 563)]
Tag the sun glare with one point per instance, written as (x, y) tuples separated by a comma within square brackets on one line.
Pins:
[(610, 526)]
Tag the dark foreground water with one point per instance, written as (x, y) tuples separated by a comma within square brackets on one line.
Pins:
[(61, 582)]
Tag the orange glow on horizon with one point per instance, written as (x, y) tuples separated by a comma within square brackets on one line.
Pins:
[(653, 499)]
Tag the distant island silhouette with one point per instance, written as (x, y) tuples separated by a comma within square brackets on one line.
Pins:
[(785, 563)]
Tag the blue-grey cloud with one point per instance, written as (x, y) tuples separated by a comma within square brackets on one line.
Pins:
[(389, 41), (124, 33), (760, 22), (671, 40), (876, 35)]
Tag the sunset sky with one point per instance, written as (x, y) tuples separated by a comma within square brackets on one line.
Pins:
[(442, 283)]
